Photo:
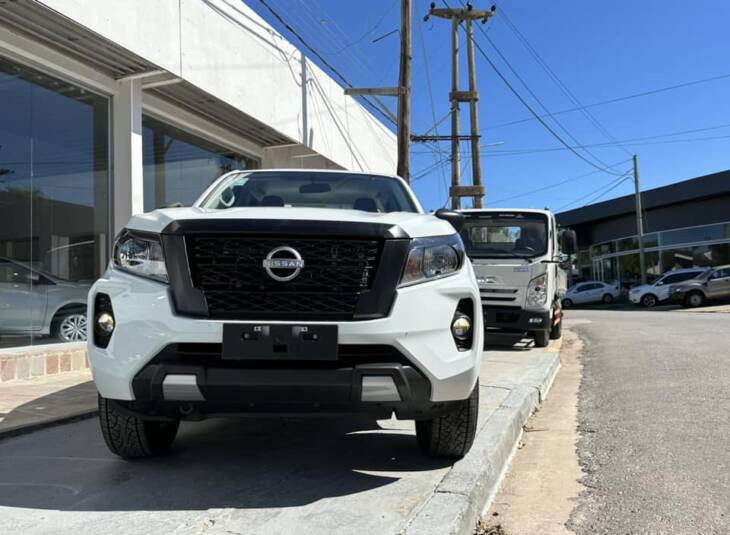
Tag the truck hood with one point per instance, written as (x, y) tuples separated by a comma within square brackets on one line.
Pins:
[(413, 224)]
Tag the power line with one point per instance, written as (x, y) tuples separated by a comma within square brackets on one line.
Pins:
[(531, 110), (634, 141), (611, 186), (318, 55), (370, 31), (615, 100), (534, 96), (561, 85), (551, 186), (439, 153)]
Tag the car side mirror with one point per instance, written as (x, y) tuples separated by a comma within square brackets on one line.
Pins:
[(456, 219), (568, 242)]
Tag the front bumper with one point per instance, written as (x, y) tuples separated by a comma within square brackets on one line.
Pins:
[(418, 327), (515, 319)]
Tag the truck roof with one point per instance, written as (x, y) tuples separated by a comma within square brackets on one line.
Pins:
[(497, 210)]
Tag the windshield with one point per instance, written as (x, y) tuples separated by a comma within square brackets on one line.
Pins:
[(369, 193), (509, 234)]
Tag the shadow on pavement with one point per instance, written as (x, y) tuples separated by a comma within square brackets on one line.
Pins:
[(45, 409), (238, 463), (507, 341)]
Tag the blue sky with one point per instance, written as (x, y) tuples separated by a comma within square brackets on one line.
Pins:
[(599, 50)]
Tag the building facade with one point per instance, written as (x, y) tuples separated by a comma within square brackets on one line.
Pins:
[(686, 224), (112, 108)]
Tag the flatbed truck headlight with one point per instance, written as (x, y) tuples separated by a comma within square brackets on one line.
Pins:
[(537, 291)]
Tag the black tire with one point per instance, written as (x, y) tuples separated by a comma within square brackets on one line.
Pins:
[(542, 338), (567, 303), (131, 437), (694, 299), (649, 300), (607, 299), (556, 332), (451, 434)]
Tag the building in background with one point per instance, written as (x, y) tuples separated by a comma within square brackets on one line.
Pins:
[(686, 224), (112, 108)]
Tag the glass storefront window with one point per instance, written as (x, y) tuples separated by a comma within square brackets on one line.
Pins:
[(178, 166), (54, 180), (696, 234), (700, 256)]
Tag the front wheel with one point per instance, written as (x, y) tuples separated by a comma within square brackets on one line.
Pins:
[(607, 299), (451, 434), (649, 301), (694, 299), (131, 437), (542, 338), (567, 303)]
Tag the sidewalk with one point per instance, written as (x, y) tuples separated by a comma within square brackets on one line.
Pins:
[(28, 404), (270, 475)]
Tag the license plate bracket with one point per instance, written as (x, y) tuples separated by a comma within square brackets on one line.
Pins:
[(279, 342)]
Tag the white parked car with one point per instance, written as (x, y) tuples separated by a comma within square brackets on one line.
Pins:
[(650, 295), (294, 291), (591, 292)]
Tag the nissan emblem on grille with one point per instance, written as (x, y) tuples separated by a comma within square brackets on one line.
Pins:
[(283, 259)]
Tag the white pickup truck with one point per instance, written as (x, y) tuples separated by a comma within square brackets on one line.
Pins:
[(520, 259), (286, 292)]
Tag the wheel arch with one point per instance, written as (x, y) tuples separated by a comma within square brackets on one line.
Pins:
[(67, 308)]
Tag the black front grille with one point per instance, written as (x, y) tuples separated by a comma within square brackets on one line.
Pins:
[(229, 271)]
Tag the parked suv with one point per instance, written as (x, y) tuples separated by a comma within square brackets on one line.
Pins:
[(288, 292), (713, 283), (649, 295)]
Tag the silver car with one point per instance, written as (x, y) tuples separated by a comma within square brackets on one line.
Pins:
[(713, 283), (39, 304)]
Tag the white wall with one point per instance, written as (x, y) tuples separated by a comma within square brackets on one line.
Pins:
[(224, 48)]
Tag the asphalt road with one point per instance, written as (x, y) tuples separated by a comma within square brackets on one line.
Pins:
[(654, 418)]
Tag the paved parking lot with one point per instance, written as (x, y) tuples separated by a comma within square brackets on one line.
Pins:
[(347, 475)]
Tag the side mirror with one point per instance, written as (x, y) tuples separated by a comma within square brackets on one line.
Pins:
[(456, 219), (568, 242), (564, 262)]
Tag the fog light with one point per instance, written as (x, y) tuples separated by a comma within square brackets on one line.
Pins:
[(105, 323), (461, 327)]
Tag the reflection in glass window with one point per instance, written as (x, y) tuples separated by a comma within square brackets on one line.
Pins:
[(696, 234), (178, 166), (54, 200)]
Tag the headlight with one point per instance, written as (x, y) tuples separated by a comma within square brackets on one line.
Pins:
[(433, 258), (140, 254), (537, 291)]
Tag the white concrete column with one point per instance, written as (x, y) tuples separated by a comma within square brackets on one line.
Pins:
[(127, 181)]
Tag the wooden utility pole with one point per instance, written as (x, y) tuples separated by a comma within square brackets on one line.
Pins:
[(639, 220), (404, 92), (457, 16), (474, 115), (455, 142)]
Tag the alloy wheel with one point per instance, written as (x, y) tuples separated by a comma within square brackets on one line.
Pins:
[(73, 328)]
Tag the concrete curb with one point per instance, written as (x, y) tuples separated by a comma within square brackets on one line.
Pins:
[(468, 488), (37, 426)]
